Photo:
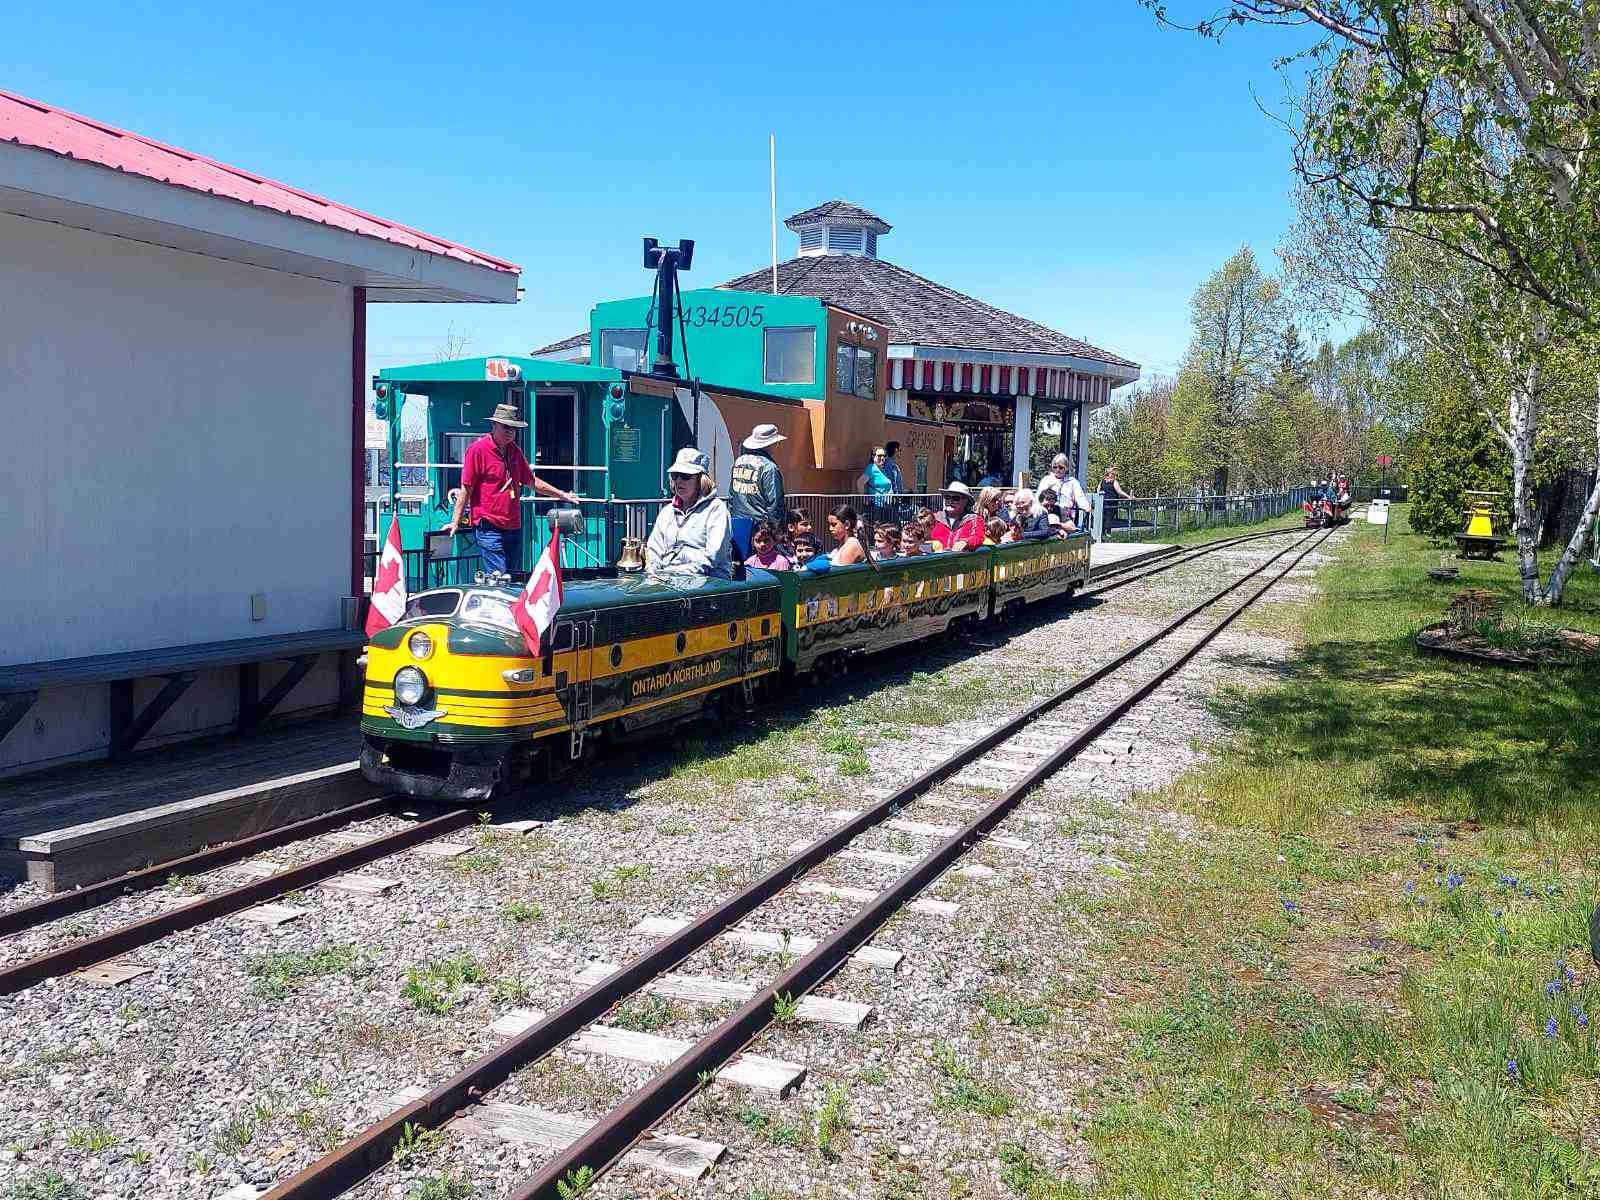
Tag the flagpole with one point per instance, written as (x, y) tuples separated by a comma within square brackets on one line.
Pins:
[(772, 163)]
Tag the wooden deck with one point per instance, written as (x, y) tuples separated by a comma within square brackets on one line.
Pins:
[(82, 824)]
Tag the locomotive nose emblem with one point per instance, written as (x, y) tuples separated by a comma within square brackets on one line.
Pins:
[(413, 718)]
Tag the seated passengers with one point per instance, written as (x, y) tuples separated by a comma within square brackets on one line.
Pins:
[(693, 533), (957, 527), (767, 556), (1032, 521), (885, 541), (910, 540), (806, 548), (842, 527)]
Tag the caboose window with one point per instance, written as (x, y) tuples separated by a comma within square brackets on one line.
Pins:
[(791, 355), (622, 349), (453, 449)]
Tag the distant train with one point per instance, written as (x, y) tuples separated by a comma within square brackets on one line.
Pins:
[(455, 707)]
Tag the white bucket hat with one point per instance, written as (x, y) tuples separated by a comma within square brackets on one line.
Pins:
[(957, 489), (690, 462), (763, 436)]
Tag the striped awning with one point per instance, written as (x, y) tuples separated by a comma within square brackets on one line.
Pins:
[(991, 379)]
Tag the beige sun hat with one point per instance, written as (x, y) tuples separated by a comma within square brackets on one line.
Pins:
[(507, 414), (957, 489), (763, 436), (690, 462)]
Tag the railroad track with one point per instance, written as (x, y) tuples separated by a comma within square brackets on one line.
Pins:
[(120, 941), (579, 1152)]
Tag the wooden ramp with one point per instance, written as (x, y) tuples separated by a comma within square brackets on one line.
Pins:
[(81, 824), (1114, 556)]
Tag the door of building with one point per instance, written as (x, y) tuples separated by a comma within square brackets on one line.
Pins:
[(555, 438)]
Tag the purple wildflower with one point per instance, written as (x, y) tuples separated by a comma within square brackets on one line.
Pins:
[(1550, 1028), (1550, 889), (1290, 907), (1411, 886), (1551, 988), (1572, 976), (1580, 1017), (1453, 881), (1511, 1069), (1511, 882)]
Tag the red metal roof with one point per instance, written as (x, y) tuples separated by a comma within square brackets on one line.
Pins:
[(44, 127)]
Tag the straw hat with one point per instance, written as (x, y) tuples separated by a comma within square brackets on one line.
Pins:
[(690, 462), (506, 414), (957, 489), (763, 436)]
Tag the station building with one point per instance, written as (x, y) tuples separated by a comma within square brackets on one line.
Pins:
[(995, 379), (182, 373)]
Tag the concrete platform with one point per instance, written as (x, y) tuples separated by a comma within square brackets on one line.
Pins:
[(79, 825), (1105, 557)]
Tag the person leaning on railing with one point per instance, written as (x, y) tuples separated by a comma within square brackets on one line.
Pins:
[(493, 473)]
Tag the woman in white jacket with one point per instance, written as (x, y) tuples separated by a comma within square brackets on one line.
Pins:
[(692, 534)]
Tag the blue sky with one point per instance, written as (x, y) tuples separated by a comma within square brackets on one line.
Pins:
[(1074, 162)]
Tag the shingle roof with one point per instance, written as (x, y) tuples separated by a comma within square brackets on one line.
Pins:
[(841, 209), (918, 311), (40, 126), (569, 343)]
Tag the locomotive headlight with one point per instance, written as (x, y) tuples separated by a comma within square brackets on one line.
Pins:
[(410, 685), (420, 645)]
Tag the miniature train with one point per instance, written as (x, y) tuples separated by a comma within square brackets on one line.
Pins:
[(455, 707)]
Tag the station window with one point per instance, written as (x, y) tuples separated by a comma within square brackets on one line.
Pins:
[(866, 373), (791, 355), (622, 349), (844, 368)]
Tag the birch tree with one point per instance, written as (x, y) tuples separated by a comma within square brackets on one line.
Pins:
[(1468, 126)]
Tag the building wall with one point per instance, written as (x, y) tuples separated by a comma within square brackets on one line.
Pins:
[(177, 439)]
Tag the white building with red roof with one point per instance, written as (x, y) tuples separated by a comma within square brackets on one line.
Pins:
[(183, 372)]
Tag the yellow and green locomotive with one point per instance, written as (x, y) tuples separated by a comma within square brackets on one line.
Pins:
[(455, 706)]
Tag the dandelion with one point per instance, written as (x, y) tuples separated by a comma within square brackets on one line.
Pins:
[(1511, 1069), (1550, 1028)]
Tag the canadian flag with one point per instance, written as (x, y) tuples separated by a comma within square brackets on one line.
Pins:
[(389, 586), (535, 609)]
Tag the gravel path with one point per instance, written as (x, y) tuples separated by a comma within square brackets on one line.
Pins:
[(249, 1050)]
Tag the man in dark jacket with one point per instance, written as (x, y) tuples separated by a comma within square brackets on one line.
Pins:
[(756, 491)]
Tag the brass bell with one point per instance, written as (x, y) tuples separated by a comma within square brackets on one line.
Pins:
[(632, 558)]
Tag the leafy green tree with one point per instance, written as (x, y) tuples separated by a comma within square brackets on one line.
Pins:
[(1455, 452), (1468, 128)]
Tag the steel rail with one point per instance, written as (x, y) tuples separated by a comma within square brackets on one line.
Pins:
[(610, 1137), (128, 937), (347, 1165), (144, 878), (1176, 558)]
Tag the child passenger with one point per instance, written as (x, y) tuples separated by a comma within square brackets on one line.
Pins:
[(910, 540), (805, 549), (764, 541), (994, 532), (885, 542), (795, 523)]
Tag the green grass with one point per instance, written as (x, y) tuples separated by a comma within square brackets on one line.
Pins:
[(441, 985), (1340, 991), (44, 1185), (279, 973)]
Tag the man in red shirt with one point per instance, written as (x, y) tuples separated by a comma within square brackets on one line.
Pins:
[(957, 527), (493, 473)]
